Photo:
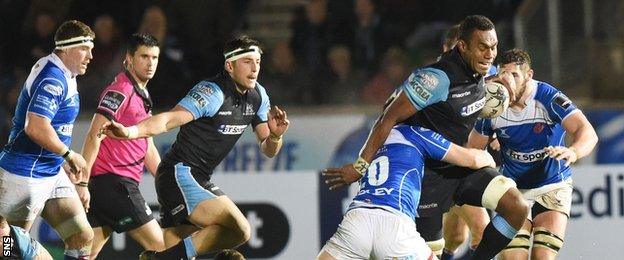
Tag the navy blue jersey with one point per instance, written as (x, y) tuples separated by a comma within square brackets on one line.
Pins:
[(393, 179), (448, 96), (49, 91), (221, 115), (523, 136)]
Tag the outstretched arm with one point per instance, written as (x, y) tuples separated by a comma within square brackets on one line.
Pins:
[(469, 157), (399, 110), (152, 126)]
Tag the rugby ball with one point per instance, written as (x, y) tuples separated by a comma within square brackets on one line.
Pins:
[(496, 100)]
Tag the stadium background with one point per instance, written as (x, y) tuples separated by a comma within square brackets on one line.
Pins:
[(331, 72)]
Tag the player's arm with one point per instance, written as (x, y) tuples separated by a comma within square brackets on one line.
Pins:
[(149, 127), (398, 111), (269, 134), (39, 129), (469, 157), (584, 139), (477, 140), (152, 157), (91, 145)]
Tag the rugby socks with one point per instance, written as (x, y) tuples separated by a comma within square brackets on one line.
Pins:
[(184, 249), (77, 254), (496, 236), (447, 255)]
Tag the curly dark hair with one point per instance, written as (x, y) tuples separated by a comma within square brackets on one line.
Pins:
[(472, 23), (517, 56)]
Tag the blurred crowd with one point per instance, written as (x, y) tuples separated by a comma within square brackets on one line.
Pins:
[(338, 52)]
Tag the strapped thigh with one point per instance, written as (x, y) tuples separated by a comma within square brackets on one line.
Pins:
[(522, 241)]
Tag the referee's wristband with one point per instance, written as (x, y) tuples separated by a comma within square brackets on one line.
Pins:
[(361, 165), (83, 184)]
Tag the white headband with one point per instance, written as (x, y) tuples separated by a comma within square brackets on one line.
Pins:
[(240, 52), (74, 42)]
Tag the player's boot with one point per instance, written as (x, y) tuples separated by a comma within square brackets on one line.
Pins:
[(148, 255)]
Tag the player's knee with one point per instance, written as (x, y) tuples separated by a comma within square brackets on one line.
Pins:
[(75, 231), (244, 230), (80, 239), (517, 204)]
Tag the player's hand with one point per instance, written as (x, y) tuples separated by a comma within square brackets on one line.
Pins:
[(84, 195), (77, 165), (495, 145), (484, 159), (114, 130), (562, 153), (338, 177), (507, 79), (278, 121)]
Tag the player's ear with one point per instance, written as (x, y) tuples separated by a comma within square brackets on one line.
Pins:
[(530, 73), (461, 44), (228, 66)]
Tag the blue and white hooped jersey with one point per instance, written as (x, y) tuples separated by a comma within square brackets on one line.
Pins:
[(49, 91), (523, 136), (393, 180)]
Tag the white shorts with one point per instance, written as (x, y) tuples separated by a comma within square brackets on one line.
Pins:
[(22, 198), (556, 196), (376, 234)]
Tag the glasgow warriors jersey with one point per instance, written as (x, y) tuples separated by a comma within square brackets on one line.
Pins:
[(221, 115), (448, 96), (524, 134), (49, 91), (393, 179)]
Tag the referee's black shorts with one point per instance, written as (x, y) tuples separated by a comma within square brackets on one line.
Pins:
[(117, 203)]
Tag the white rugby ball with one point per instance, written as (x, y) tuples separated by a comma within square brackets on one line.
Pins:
[(496, 100)]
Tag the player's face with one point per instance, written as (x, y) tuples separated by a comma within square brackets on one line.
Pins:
[(77, 59), (143, 62), (245, 71), (521, 74), (480, 52)]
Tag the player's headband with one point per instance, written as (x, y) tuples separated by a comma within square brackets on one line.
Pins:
[(74, 42), (240, 52)]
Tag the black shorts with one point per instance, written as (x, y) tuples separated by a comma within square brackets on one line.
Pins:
[(117, 202), (180, 188), (455, 185)]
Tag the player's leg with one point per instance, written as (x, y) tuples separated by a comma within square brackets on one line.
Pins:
[(229, 254), (435, 199), (395, 237), (100, 237), (550, 217), (22, 246), (353, 239), (64, 212), (173, 235), (222, 224), (455, 232), (68, 218), (519, 246), (487, 188), (22, 198), (477, 219)]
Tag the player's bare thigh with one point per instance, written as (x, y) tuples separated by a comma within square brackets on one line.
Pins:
[(59, 210)]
